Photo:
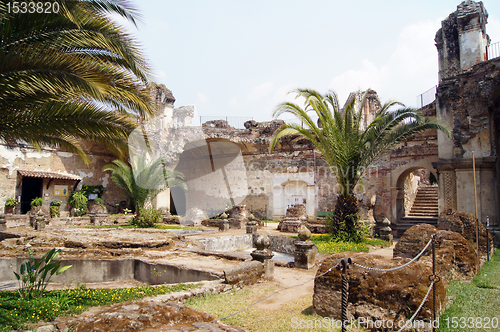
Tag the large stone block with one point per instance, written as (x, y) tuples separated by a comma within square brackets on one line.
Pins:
[(393, 295), (244, 273), (465, 223), (455, 256), (414, 240)]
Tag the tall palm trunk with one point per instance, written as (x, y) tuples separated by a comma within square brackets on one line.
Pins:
[(345, 217)]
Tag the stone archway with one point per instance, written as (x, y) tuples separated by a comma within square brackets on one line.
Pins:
[(399, 176)]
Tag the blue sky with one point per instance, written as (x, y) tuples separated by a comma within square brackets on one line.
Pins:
[(241, 57)]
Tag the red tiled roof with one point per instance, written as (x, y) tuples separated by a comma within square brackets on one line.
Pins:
[(49, 175)]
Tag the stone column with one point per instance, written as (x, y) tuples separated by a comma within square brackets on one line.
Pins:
[(3, 223), (305, 254), (40, 221), (251, 227)]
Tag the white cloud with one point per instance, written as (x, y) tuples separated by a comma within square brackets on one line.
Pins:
[(367, 76), (160, 75), (202, 97), (413, 63), (260, 91)]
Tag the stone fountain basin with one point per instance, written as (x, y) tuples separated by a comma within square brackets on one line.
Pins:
[(283, 247)]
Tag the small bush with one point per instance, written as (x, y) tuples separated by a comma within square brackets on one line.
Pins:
[(56, 203), (147, 218), (78, 201), (99, 201), (10, 202), (342, 233), (38, 201), (55, 211)]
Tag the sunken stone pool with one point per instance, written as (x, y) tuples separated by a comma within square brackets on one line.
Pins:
[(114, 270)]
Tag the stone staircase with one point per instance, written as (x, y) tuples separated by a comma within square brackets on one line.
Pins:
[(424, 210)]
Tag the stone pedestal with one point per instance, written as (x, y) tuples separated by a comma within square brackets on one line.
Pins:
[(385, 231), (3, 223), (264, 255), (39, 222), (290, 226), (305, 253), (251, 227), (294, 218), (224, 225)]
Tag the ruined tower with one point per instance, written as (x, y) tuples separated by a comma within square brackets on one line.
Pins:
[(462, 39)]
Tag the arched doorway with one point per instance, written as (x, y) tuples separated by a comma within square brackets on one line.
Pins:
[(417, 197)]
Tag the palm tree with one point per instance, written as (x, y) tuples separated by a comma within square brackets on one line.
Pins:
[(70, 76), (344, 145), (142, 181)]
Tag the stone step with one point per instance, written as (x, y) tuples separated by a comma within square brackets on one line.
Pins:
[(425, 203), (407, 222), (424, 207), (424, 210), (426, 195)]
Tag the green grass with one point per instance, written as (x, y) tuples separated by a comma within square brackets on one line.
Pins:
[(15, 314), (475, 302), (257, 319), (326, 245)]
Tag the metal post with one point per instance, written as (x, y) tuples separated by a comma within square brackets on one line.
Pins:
[(434, 285), (343, 265), (487, 244)]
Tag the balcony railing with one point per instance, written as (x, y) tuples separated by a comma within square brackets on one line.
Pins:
[(427, 97), (493, 51)]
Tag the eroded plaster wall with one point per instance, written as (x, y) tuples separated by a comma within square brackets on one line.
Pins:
[(17, 158)]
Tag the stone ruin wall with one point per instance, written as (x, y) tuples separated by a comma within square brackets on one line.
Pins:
[(50, 160)]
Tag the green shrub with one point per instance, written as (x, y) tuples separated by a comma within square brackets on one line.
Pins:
[(146, 218), (38, 201), (55, 211), (342, 233), (10, 202), (56, 203), (78, 201), (99, 201)]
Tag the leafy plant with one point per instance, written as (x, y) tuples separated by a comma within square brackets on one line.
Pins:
[(146, 218), (78, 201), (35, 274), (344, 229), (99, 201), (56, 203), (10, 202), (38, 201), (80, 62), (55, 211), (142, 181), (99, 190)]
